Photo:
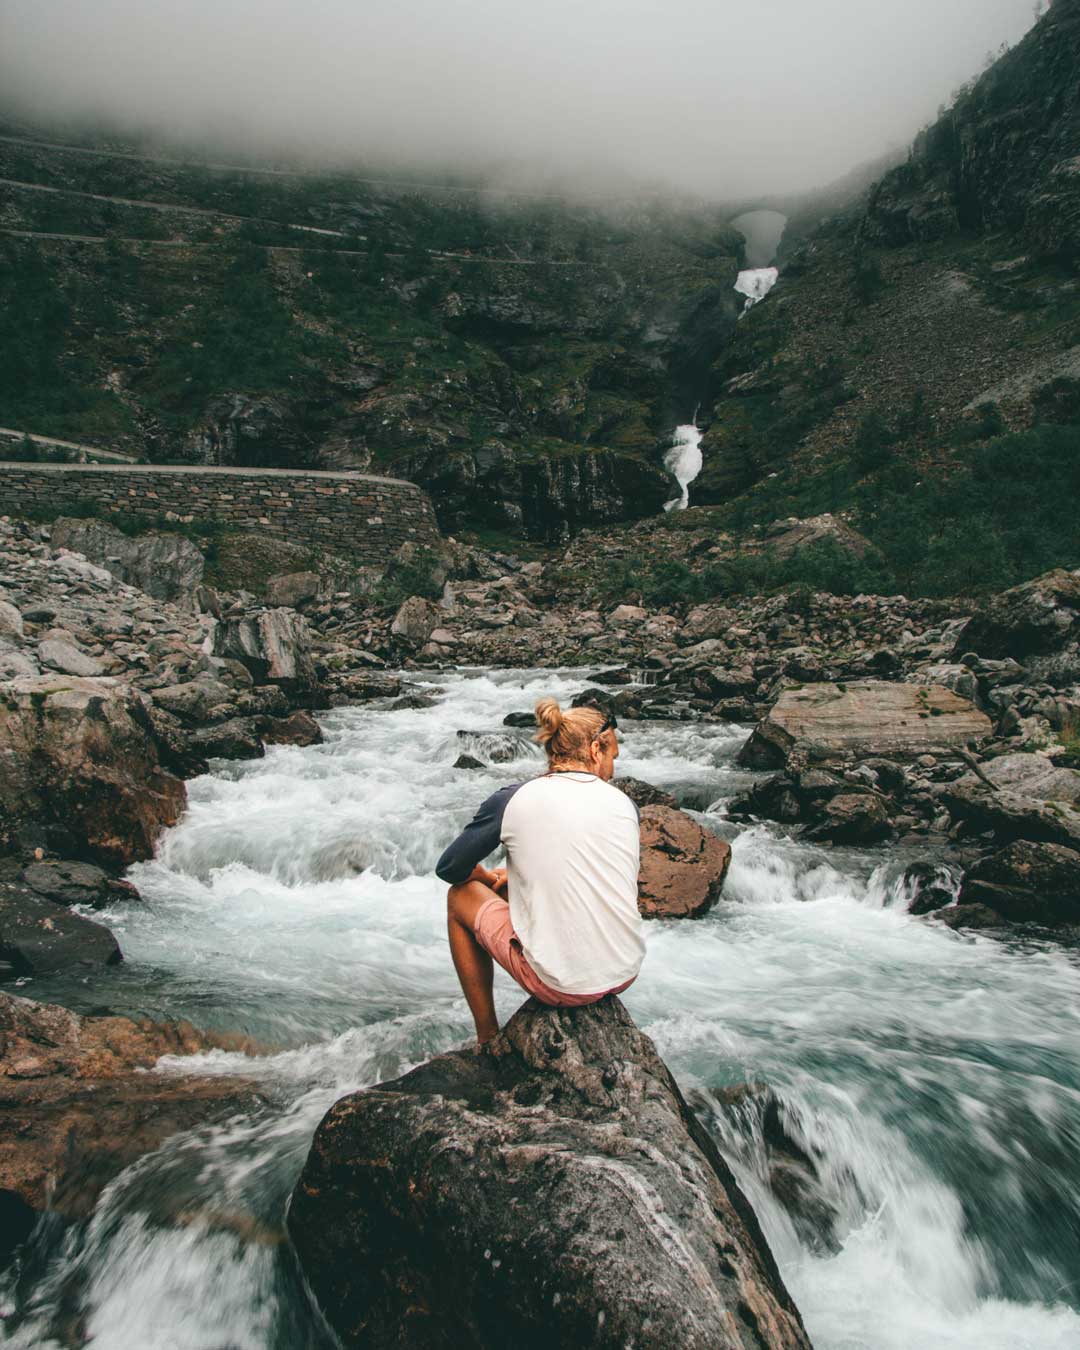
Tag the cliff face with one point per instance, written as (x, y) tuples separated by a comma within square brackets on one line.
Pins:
[(1005, 156)]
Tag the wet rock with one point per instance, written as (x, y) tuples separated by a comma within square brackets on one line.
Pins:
[(468, 762), (293, 589), (165, 565), (520, 719), (1027, 883), (77, 883), (682, 865), (761, 1128), (644, 794), (853, 818), (969, 916), (79, 765), (40, 937), (827, 722), (78, 1108), (587, 1204), (300, 728), (497, 747), (1033, 619), (415, 621), (929, 886)]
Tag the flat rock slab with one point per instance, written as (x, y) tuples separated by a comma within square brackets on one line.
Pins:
[(552, 1190), (682, 865), (835, 722)]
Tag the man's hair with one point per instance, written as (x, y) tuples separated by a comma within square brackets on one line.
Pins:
[(567, 733)]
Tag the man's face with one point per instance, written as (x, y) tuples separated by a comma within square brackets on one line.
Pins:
[(604, 753)]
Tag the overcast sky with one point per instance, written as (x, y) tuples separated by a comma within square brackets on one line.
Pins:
[(713, 96)]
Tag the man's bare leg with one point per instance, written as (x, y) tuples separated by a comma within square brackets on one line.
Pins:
[(473, 964)]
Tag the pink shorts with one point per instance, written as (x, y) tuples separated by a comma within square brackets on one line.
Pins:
[(495, 933)]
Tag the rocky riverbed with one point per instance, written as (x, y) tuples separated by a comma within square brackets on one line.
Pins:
[(227, 794)]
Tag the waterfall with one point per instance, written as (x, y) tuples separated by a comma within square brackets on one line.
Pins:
[(756, 284), (683, 461)]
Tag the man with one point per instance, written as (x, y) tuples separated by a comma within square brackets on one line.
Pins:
[(562, 917)]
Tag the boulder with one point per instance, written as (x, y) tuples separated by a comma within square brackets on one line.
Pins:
[(497, 747), (853, 818), (644, 794), (292, 589), (785, 538), (39, 937), (198, 700), (78, 1106), (582, 1200), (1033, 619), (830, 722), (1027, 883), (626, 616), (65, 657), (11, 623), (79, 770), (165, 565), (77, 883), (236, 738), (415, 621), (300, 728), (274, 645), (1023, 796), (682, 866)]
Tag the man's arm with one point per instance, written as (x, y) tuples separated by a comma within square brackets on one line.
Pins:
[(478, 839)]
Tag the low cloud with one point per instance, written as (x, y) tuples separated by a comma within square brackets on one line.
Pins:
[(720, 99)]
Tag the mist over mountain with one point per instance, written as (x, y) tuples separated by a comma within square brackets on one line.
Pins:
[(721, 100)]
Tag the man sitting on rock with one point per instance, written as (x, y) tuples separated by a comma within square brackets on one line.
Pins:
[(569, 931)]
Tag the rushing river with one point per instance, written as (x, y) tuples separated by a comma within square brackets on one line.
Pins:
[(936, 1077)]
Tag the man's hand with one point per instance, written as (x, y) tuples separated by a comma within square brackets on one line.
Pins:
[(500, 885), (488, 876)]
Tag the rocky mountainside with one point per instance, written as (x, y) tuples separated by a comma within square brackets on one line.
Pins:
[(523, 358), (918, 364)]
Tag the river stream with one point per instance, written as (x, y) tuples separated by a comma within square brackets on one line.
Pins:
[(934, 1077)]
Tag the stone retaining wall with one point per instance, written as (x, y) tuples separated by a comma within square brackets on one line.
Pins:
[(355, 514)]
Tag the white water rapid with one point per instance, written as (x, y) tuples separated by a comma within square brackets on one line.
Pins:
[(934, 1077), (683, 462)]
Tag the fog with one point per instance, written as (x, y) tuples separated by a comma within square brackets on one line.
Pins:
[(720, 99)]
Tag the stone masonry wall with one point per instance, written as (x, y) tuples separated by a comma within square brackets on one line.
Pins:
[(355, 514)]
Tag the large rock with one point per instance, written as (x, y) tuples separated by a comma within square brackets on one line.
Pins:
[(1027, 882), (79, 770), (828, 722), (415, 621), (39, 937), (1022, 796), (78, 1106), (274, 645), (77, 883), (682, 866), (785, 538), (67, 659), (166, 566), (554, 1189), (292, 589), (1030, 620), (644, 794)]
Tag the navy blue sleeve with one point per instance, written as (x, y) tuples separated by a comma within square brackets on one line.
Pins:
[(481, 836)]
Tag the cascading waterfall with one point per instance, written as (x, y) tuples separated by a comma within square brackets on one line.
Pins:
[(756, 285), (933, 1078), (683, 461)]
